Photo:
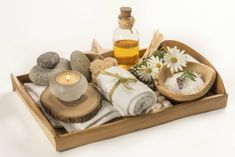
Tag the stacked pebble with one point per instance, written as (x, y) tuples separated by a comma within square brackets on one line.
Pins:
[(80, 62), (161, 104), (48, 65), (48, 60)]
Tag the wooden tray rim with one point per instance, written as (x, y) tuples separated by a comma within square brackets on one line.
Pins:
[(61, 141)]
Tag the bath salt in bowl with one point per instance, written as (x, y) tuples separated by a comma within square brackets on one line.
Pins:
[(188, 86), (168, 86)]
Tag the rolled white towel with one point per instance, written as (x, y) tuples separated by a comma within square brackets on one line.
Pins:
[(129, 102), (105, 114)]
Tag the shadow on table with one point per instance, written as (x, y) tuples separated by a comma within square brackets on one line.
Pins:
[(19, 131)]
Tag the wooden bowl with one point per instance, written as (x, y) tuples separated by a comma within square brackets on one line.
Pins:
[(208, 75)]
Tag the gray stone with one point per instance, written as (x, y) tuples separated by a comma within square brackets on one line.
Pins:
[(48, 60), (80, 62), (42, 76)]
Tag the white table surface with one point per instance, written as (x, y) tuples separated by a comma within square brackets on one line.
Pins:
[(29, 28)]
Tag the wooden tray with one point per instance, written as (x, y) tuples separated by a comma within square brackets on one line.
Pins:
[(63, 140)]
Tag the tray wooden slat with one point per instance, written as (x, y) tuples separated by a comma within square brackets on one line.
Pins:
[(62, 140)]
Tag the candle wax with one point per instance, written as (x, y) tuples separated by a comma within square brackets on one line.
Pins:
[(67, 78)]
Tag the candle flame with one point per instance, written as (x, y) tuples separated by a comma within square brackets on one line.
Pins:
[(68, 78)]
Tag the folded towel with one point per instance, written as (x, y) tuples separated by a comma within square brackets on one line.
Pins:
[(105, 114), (130, 98), (35, 92), (36, 89)]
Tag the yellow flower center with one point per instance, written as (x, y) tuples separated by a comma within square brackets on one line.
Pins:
[(148, 70), (174, 59), (158, 65)]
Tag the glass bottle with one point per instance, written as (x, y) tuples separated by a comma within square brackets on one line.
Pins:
[(126, 40)]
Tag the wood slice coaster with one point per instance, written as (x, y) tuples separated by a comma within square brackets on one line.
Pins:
[(71, 112)]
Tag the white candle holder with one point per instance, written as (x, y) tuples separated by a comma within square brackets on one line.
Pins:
[(68, 85)]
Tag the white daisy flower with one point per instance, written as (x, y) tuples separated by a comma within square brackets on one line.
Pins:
[(155, 63), (175, 59), (146, 73)]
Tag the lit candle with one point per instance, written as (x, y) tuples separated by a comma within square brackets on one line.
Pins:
[(68, 85), (67, 78)]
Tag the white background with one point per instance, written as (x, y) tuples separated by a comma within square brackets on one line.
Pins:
[(29, 28)]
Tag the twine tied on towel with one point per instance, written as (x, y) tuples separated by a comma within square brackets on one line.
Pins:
[(121, 80)]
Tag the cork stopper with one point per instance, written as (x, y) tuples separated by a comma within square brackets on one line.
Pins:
[(125, 12), (125, 20)]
